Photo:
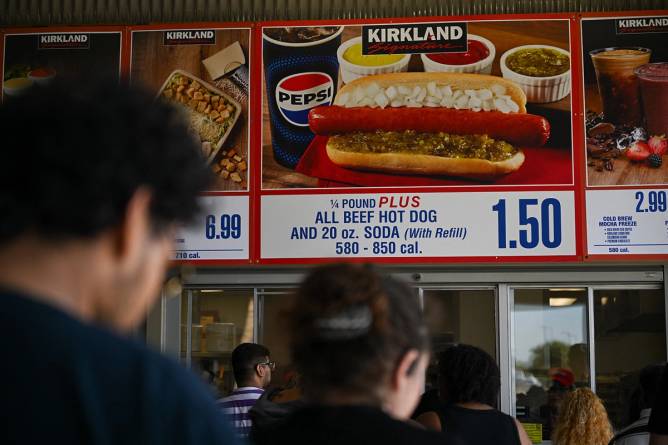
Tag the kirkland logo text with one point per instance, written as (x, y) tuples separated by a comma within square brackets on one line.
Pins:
[(644, 25), (414, 38), (64, 41), (190, 37)]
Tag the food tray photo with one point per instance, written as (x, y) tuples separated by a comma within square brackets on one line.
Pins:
[(212, 113)]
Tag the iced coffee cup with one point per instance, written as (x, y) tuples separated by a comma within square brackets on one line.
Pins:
[(653, 79), (617, 82)]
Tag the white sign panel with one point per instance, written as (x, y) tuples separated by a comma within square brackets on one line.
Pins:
[(623, 222), (418, 225), (220, 233)]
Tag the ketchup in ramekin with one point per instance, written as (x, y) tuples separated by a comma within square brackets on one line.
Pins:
[(43, 72), (42, 76), (477, 52)]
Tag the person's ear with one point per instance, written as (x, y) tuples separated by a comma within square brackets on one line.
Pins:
[(134, 228), (405, 368), (259, 369), (405, 384)]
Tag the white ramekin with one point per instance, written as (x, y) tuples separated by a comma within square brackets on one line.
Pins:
[(17, 91), (539, 89), (350, 71), (483, 66), (42, 80)]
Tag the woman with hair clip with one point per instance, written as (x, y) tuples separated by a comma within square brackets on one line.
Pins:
[(360, 345)]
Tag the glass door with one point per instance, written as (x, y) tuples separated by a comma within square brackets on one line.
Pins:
[(273, 305), (550, 350), (459, 315), (213, 322), (629, 337)]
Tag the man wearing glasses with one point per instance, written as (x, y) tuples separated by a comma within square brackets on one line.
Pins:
[(252, 372)]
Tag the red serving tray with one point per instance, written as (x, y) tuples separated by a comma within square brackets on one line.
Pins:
[(542, 166)]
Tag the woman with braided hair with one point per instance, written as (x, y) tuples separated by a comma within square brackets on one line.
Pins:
[(360, 346), (469, 383), (582, 420)]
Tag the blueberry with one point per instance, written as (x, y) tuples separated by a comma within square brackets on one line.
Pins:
[(654, 160)]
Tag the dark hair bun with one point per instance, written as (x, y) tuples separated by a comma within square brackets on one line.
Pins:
[(350, 325)]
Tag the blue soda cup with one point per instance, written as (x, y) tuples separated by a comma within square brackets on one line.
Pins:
[(301, 72)]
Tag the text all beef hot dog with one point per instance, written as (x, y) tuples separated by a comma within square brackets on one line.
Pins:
[(454, 124), (516, 128)]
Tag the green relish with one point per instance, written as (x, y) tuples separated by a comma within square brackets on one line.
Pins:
[(476, 146), (538, 62)]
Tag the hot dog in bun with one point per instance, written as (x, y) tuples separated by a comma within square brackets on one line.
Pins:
[(455, 124)]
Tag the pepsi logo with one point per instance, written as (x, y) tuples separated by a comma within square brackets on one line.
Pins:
[(298, 93)]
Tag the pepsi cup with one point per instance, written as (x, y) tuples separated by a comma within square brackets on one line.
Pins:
[(301, 71)]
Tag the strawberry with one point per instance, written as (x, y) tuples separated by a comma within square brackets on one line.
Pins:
[(638, 151), (658, 144)]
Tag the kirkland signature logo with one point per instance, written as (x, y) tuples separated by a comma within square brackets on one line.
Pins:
[(644, 25), (190, 37), (415, 38), (64, 41)]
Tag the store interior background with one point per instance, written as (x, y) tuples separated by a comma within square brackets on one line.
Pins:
[(601, 322)]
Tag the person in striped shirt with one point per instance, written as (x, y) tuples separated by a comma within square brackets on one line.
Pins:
[(252, 372)]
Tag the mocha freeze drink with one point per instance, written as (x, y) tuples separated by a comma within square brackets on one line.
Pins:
[(653, 79), (618, 83)]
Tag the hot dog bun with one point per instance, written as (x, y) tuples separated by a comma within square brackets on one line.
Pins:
[(405, 163), (457, 81), (376, 113)]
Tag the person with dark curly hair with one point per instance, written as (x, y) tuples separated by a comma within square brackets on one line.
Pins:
[(360, 346), (469, 383), (94, 178)]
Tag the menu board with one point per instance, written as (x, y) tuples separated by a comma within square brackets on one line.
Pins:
[(415, 140), (485, 138), (33, 59), (625, 74), (205, 73)]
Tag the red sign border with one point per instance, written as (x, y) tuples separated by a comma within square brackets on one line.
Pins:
[(255, 192), (252, 219), (608, 258), (576, 154), (111, 29)]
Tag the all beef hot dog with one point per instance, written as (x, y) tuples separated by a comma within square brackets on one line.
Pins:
[(430, 123), (520, 129)]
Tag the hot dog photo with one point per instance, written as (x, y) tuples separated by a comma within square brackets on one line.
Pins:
[(428, 104)]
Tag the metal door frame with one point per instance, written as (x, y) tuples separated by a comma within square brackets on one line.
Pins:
[(591, 342), (511, 325)]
